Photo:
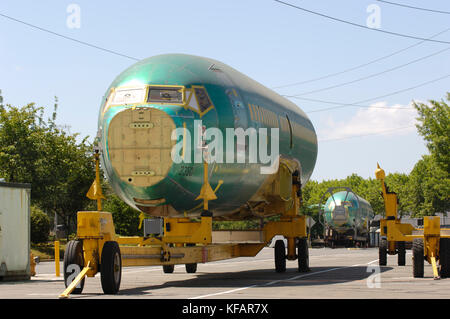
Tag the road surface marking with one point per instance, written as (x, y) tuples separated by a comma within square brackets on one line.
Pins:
[(276, 281)]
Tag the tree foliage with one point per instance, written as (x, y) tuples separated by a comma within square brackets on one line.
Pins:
[(428, 189), (37, 151), (126, 219), (434, 126), (39, 225)]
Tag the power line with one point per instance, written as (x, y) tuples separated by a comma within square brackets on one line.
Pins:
[(350, 104), (411, 7), (69, 38), (360, 25), (362, 135), (374, 74), (376, 97), (407, 89), (360, 65)]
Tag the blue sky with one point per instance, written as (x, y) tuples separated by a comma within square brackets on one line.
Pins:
[(272, 43)]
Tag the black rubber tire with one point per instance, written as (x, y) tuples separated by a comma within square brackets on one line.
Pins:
[(418, 258), (111, 268), (191, 268), (280, 256), (401, 253), (382, 252), (444, 257), (168, 269), (73, 255), (303, 255)]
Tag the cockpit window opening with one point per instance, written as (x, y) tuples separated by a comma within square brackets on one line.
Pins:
[(165, 94), (202, 98), (198, 100), (195, 98), (127, 95)]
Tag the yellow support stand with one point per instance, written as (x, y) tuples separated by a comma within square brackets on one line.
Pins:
[(206, 192), (57, 259), (432, 235), (395, 231), (183, 241), (95, 191), (32, 266)]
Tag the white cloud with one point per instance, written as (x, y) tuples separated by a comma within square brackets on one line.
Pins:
[(379, 118)]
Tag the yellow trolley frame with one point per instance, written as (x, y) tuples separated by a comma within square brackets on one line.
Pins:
[(184, 241), (392, 230)]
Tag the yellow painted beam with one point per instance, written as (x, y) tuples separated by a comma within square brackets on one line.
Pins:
[(151, 256), (57, 272), (75, 282), (435, 271), (181, 230), (32, 265), (295, 227)]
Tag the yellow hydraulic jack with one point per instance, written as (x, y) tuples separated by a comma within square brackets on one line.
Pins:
[(183, 241), (430, 243)]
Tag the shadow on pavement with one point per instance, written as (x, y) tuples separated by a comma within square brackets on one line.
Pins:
[(263, 278)]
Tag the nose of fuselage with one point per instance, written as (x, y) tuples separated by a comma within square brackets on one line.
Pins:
[(339, 215), (140, 144)]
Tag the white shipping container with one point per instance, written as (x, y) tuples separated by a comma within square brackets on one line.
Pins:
[(14, 231)]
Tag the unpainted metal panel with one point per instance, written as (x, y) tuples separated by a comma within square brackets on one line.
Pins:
[(14, 231), (141, 154)]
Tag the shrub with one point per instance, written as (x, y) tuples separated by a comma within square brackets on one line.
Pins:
[(40, 225)]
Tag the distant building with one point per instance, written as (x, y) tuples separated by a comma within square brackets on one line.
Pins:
[(418, 222)]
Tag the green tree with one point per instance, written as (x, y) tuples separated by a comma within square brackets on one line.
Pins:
[(126, 219), (37, 151), (1, 100), (428, 188), (429, 185), (372, 193), (20, 143), (398, 183), (435, 128), (39, 226)]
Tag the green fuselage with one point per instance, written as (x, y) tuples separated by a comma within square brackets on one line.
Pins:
[(346, 211), (236, 101)]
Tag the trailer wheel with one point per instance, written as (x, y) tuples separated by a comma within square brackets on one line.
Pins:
[(303, 255), (168, 269), (382, 252), (418, 258), (111, 268), (444, 257), (280, 256), (73, 264), (191, 268), (401, 251)]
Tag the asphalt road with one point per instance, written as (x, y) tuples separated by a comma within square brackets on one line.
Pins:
[(335, 273)]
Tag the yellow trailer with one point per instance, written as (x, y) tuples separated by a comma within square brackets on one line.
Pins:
[(184, 241), (430, 243)]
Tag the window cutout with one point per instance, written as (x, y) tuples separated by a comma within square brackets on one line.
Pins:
[(187, 95), (165, 95), (202, 99), (193, 103), (128, 96), (290, 131)]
